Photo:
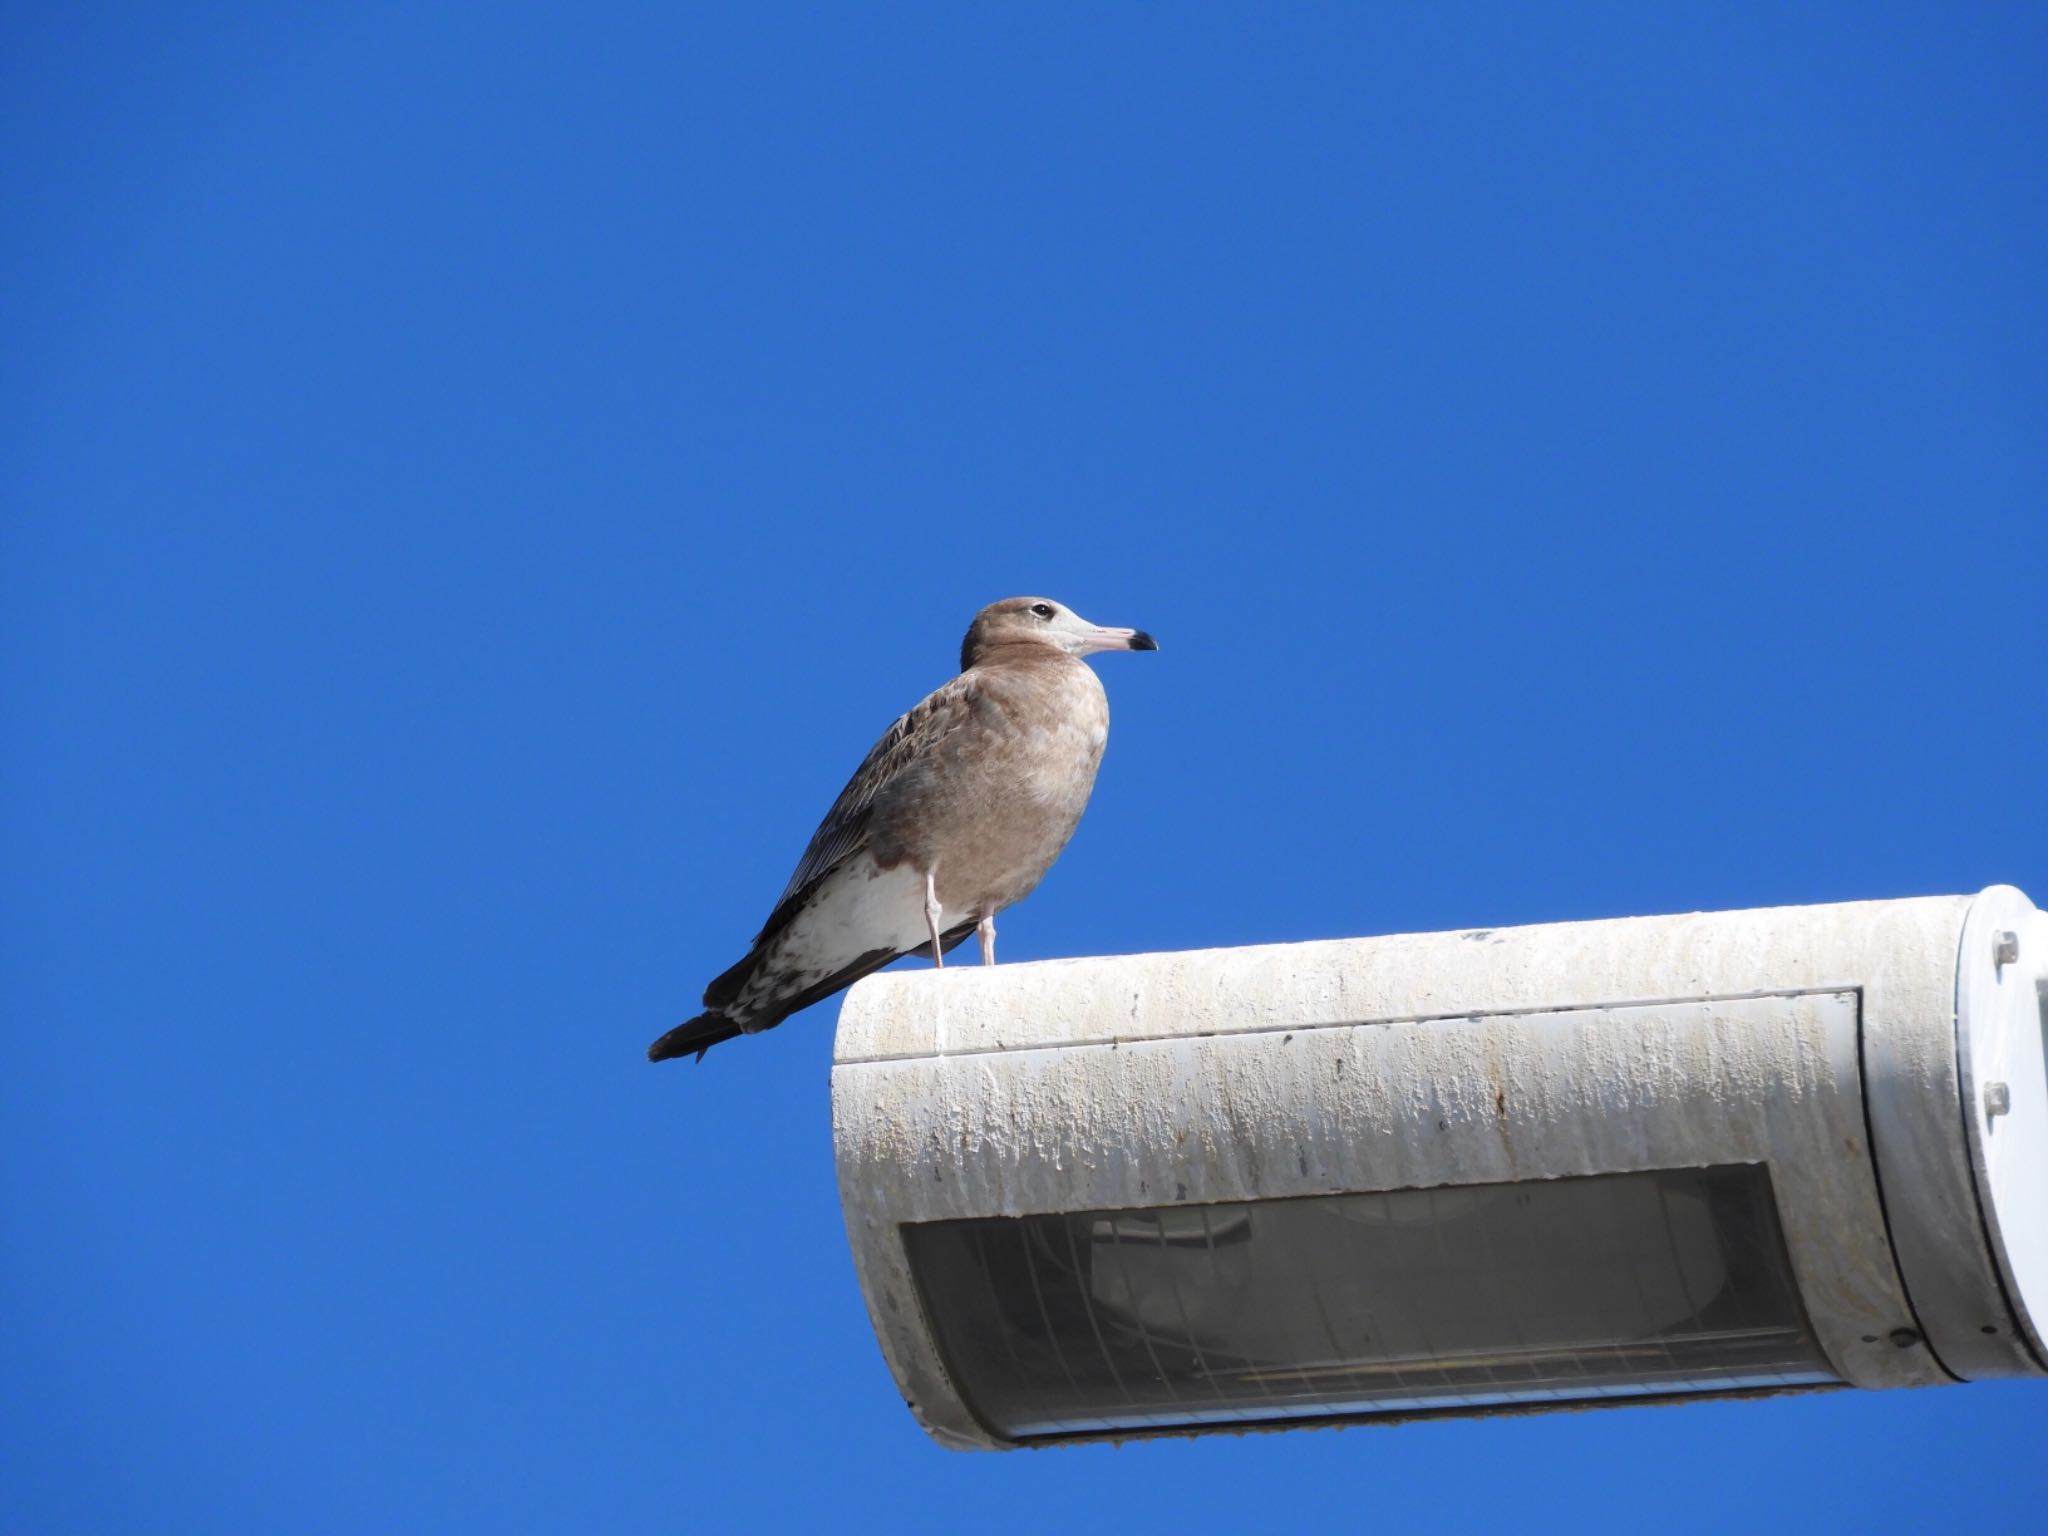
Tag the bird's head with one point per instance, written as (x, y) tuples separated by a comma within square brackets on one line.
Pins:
[(1041, 623)]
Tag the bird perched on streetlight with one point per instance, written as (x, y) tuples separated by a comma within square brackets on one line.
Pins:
[(957, 813)]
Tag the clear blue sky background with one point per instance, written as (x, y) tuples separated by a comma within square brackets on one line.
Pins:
[(476, 479)]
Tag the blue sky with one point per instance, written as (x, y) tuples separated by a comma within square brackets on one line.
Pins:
[(476, 480)]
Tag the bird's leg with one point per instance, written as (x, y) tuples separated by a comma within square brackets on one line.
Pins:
[(986, 929), (931, 916)]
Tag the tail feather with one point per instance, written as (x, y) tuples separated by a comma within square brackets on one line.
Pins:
[(698, 1035), (728, 984), (693, 1037)]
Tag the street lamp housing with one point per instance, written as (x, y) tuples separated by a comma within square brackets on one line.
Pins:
[(1470, 1172)]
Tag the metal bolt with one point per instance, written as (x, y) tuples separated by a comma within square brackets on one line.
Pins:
[(2005, 948), (1997, 1100)]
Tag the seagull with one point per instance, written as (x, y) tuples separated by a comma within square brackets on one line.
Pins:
[(957, 813)]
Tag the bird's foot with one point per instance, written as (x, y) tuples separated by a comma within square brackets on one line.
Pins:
[(985, 930)]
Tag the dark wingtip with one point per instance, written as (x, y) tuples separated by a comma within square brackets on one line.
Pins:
[(693, 1037), (1141, 641)]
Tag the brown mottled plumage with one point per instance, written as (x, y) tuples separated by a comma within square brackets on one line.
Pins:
[(957, 813)]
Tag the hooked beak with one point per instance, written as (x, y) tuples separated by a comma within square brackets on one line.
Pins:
[(1099, 638)]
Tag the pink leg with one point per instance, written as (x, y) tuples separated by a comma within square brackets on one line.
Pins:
[(931, 916), (986, 928)]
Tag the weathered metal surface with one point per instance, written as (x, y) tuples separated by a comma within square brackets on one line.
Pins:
[(1407, 1062)]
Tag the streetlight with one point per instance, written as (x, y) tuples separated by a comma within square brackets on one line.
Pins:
[(1475, 1172)]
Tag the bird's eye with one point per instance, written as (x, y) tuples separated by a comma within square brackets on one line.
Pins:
[(1043, 610)]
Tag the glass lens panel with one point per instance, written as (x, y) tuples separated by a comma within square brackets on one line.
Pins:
[(1620, 1285)]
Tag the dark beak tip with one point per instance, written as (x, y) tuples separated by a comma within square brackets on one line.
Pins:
[(1143, 642)]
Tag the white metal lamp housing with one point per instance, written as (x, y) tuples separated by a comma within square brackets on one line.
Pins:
[(1459, 1172)]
